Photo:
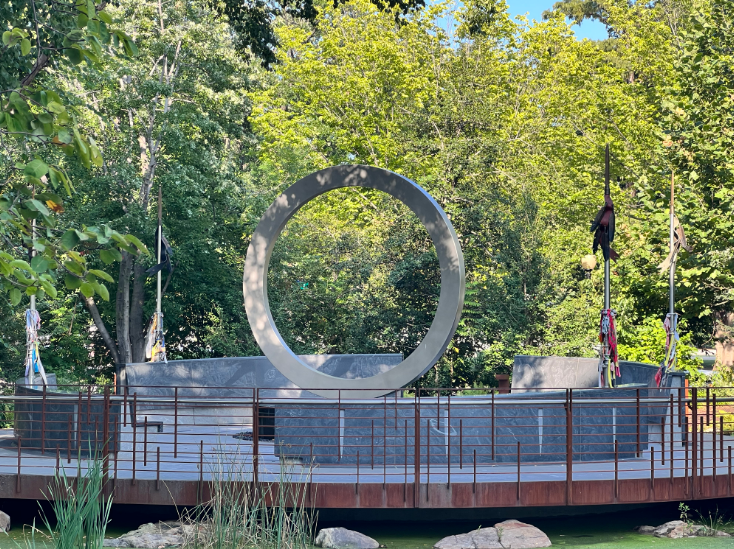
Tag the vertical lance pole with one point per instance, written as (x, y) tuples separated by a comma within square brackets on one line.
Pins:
[(33, 254), (33, 305), (671, 277), (160, 245), (607, 277), (605, 350)]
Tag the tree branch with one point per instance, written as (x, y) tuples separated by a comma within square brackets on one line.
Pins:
[(41, 63), (99, 323)]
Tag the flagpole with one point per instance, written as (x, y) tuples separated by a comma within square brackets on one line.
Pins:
[(607, 260), (160, 241), (671, 276)]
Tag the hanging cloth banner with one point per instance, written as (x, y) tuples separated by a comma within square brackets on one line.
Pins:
[(609, 359), (155, 342), (33, 364), (671, 349)]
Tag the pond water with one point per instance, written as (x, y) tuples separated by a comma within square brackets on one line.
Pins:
[(611, 530)]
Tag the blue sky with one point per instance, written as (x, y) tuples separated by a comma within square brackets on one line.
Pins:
[(535, 8)]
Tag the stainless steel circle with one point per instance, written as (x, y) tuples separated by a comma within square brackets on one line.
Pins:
[(450, 303)]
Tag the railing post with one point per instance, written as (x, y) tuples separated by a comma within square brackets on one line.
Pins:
[(200, 488), (702, 455), (652, 472), (474, 462), (372, 446), (417, 454), (17, 482), (672, 437), (616, 470), (518, 471), (721, 439), (461, 444), (448, 437), (694, 440), (255, 435), (68, 439), (145, 442), (569, 446), (105, 435), (405, 475), (428, 458), (638, 425), (492, 422), (43, 422), (134, 423), (175, 422)]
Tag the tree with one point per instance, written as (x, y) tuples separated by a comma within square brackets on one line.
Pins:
[(698, 135), (173, 117), (252, 20), (41, 134)]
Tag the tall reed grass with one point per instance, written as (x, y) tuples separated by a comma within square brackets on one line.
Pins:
[(242, 513), (81, 512)]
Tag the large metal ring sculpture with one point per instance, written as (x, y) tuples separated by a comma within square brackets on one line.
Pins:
[(450, 303)]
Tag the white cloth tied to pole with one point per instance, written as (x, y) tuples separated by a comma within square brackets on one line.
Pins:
[(33, 364)]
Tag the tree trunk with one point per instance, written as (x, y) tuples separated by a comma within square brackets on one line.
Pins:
[(108, 341), (122, 309), (137, 321)]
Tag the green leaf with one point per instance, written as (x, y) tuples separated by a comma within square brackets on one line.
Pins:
[(110, 256), (87, 289), (6, 38), (101, 274), (70, 239), (102, 290), (31, 290), (139, 245), (15, 296), (74, 267), (104, 16), (25, 46), (37, 206), (39, 264), (20, 264), (74, 55), (48, 288), (64, 136), (53, 106), (72, 282), (36, 168)]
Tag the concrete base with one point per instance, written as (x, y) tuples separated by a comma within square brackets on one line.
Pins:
[(453, 432), (532, 373)]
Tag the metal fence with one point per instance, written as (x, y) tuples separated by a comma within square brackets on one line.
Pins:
[(427, 437)]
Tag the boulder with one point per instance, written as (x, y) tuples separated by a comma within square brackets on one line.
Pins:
[(663, 530), (514, 534), (341, 538), (645, 530), (4, 522), (483, 538), (152, 536), (677, 529)]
